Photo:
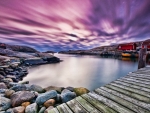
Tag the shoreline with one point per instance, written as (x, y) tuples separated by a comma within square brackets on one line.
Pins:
[(23, 97)]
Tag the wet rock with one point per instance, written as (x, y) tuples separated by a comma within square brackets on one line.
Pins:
[(80, 91), (7, 80), (2, 90), (24, 82), (10, 110), (65, 97), (2, 112), (46, 96), (12, 84), (8, 93), (58, 98), (20, 87), (5, 103), (65, 91), (19, 109), (3, 73), (58, 89), (32, 108), (50, 102), (21, 96), (42, 110), (25, 104), (48, 109), (2, 85), (70, 88), (37, 88), (1, 77)]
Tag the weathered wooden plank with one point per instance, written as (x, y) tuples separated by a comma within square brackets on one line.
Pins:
[(133, 86), (141, 79), (139, 76), (121, 101), (54, 110), (110, 103), (146, 94), (63, 108), (87, 106), (138, 81), (135, 83), (132, 100), (98, 104), (129, 93), (76, 107)]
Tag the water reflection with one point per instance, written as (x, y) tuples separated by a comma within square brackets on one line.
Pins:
[(76, 70)]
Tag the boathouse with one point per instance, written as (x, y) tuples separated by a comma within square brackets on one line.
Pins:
[(147, 44), (127, 46), (2, 45)]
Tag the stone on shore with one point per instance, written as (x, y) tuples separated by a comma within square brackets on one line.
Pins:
[(21, 96), (67, 96), (50, 102), (8, 93), (42, 110), (2, 85), (32, 108), (19, 109), (5, 103), (20, 87), (58, 89), (80, 91), (25, 104), (70, 88), (37, 88), (48, 109), (46, 96)]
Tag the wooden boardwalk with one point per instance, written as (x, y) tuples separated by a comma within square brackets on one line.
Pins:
[(130, 94)]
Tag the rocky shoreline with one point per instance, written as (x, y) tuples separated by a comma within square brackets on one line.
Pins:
[(22, 97)]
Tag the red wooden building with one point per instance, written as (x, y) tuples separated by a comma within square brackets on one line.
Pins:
[(127, 46), (147, 44)]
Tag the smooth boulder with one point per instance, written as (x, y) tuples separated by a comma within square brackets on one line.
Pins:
[(58, 89), (5, 103), (65, 97), (19, 109), (80, 91), (32, 108), (2, 85), (21, 96), (46, 96), (50, 102)]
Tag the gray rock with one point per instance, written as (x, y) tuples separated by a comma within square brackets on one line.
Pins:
[(65, 97), (2, 112), (70, 88), (46, 96), (42, 110), (65, 91), (48, 109), (2, 85), (58, 89), (37, 88), (20, 87), (19, 109), (21, 96), (12, 84), (5, 103), (32, 108), (2, 90), (1, 77), (10, 110), (58, 98)]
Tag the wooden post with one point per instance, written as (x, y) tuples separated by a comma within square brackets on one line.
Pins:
[(142, 58)]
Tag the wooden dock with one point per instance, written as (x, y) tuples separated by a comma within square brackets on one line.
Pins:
[(130, 94)]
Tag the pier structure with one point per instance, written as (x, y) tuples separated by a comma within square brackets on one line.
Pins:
[(129, 94)]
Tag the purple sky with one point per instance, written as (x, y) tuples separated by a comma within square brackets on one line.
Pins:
[(73, 24)]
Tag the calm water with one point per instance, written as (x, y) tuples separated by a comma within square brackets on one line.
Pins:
[(76, 70)]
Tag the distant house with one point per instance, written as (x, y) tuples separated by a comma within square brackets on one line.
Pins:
[(2, 45), (127, 46), (147, 44)]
